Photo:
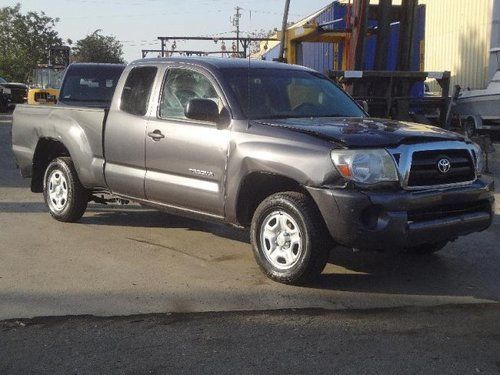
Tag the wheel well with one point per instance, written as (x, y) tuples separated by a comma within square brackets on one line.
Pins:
[(46, 150), (258, 186)]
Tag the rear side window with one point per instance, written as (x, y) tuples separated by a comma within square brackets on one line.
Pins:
[(89, 84), (137, 89)]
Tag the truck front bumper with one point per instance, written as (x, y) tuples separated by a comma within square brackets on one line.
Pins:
[(374, 220)]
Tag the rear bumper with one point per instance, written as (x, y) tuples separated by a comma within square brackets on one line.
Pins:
[(395, 220)]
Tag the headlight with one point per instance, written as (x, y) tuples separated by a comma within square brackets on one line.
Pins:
[(365, 166), (480, 161)]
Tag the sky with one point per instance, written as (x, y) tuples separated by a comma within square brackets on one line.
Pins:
[(138, 23)]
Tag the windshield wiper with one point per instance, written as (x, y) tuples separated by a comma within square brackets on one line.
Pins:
[(292, 116), (86, 100), (276, 117)]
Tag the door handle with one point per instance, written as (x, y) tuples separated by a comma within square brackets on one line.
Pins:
[(156, 135)]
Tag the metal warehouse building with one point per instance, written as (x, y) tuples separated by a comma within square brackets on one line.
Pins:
[(458, 37), (454, 35)]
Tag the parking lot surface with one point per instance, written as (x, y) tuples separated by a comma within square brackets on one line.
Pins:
[(454, 339)]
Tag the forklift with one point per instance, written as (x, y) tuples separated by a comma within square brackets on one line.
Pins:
[(47, 78)]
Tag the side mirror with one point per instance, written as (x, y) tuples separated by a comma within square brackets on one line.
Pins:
[(202, 110), (363, 104)]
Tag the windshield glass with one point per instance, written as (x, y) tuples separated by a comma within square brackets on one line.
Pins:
[(49, 78), (280, 93), (2, 80), (90, 83)]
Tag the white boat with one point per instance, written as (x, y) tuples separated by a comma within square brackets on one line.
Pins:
[(480, 109)]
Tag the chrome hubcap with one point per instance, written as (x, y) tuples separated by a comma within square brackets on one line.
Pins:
[(280, 240), (57, 190)]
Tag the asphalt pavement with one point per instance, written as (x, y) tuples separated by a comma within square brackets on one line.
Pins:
[(457, 339), (202, 301)]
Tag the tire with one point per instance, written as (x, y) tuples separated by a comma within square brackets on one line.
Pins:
[(299, 253), (64, 195), (427, 249)]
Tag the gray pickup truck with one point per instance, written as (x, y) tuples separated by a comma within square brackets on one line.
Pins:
[(276, 148)]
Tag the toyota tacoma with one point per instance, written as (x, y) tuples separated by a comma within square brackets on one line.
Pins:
[(276, 148)]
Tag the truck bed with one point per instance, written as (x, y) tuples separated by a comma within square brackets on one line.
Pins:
[(80, 129)]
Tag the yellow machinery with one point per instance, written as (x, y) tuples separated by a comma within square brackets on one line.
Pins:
[(311, 32), (46, 85), (47, 78)]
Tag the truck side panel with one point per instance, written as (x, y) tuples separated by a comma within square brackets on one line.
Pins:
[(78, 129)]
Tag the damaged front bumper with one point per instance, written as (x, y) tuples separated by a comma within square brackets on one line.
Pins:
[(375, 220)]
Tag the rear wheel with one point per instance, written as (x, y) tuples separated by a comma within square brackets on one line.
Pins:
[(290, 241), (64, 195)]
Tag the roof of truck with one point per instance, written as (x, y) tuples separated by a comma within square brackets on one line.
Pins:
[(221, 63)]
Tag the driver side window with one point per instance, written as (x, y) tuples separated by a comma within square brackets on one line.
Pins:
[(182, 85)]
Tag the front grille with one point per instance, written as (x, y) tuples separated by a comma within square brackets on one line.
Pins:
[(425, 172), (449, 210)]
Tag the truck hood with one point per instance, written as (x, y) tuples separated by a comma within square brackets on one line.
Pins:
[(364, 132), (14, 85)]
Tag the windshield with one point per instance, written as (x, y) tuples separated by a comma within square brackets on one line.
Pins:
[(281, 93), (49, 78), (2, 80), (90, 83)]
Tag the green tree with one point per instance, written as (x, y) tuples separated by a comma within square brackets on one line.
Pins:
[(25, 40), (98, 48)]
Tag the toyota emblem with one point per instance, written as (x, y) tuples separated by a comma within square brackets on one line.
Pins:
[(444, 165)]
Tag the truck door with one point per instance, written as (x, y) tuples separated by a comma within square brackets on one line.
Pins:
[(186, 159), (124, 149)]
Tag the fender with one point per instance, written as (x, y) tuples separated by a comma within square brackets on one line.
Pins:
[(78, 133), (297, 158)]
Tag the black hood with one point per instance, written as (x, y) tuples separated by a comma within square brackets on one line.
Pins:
[(14, 85), (364, 132)]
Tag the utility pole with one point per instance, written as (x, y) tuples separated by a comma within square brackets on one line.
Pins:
[(236, 23), (281, 56)]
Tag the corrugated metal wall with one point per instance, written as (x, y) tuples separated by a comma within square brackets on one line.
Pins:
[(320, 56), (457, 38)]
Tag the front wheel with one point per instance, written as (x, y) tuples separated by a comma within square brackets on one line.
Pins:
[(289, 238), (63, 192)]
